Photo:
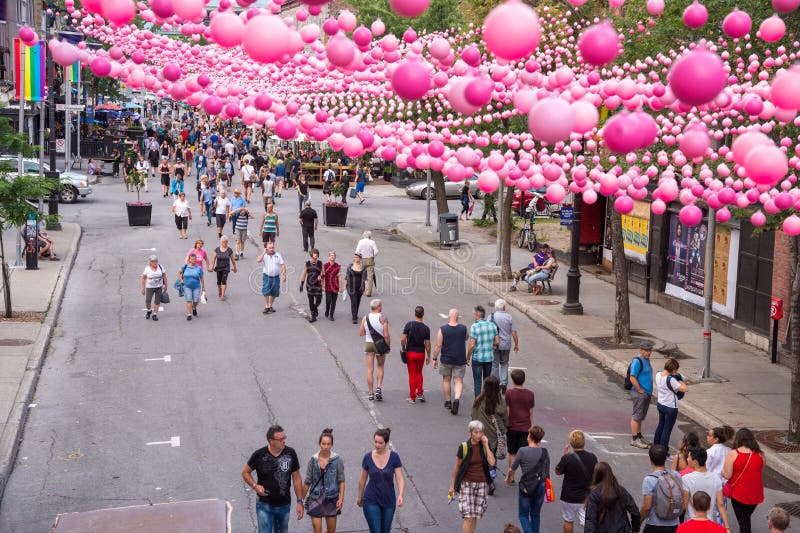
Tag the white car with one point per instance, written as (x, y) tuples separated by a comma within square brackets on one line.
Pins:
[(74, 184), (451, 188)]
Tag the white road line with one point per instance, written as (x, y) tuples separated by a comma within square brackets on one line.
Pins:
[(517, 368), (147, 249), (161, 308), (174, 442), (443, 315), (166, 359), (602, 437), (401, 279)]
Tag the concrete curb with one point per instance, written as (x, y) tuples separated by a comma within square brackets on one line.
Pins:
[(12, 435), (688, 409)]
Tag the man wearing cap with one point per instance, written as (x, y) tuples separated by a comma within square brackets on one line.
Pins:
[(642, 381)]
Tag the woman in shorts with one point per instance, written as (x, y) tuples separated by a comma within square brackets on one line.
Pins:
[(270, 227), (471, 477), (323, 488), (222, 261), (191, 275), (154, 279)]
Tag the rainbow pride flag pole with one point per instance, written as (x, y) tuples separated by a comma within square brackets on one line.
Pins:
[(33, 71)]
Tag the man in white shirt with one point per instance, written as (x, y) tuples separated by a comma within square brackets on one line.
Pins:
[(273, 273), (708, 482), (143, 167), (368, 250), (247, 180)]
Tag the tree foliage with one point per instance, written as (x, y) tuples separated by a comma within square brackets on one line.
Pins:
[(440, 16)]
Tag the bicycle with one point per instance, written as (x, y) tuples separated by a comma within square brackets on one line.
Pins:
[(527, 235)]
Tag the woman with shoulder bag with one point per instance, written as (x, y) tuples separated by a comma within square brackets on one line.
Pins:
[(534, 462), (323, 488), (743, 470), (609, 505), (671, 388), (490, 408)]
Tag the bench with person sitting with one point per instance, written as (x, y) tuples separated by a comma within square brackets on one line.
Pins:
[(537, 261), (540, 277)]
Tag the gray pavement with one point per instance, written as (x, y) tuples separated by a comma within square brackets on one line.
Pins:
[(117, 422)]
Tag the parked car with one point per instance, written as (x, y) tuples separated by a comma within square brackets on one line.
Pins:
[(543, 208), (451, 188), (73, 184)]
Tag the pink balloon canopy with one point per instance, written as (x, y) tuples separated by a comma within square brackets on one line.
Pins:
[(709, 124)]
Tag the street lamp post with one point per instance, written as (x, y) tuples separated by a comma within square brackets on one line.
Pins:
[(573, 305), (52, 203)]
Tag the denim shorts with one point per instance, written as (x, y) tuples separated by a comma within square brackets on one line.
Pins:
[(192, 295)]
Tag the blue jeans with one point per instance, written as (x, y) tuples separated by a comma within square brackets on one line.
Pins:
[(500, 366), (530, 510), (480, 371), (272, 519), (209, 210), (666, 420), (379, 519), (192, 294)]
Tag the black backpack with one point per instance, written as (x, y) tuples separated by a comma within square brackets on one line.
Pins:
[(628, 382)]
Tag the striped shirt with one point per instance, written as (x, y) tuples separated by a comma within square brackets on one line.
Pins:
[(241, 221), (484, 333), (270, 224)]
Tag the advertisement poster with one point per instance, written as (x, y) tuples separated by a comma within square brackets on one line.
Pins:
[(686, 257), (636, 232)]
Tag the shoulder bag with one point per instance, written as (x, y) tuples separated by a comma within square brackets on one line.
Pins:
[(381, 347), (502, 442), (314, 504), (727, 488)]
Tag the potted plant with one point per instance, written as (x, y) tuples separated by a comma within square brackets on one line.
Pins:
[(139, 212), (334, 212)]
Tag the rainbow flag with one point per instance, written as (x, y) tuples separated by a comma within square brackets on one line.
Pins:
[(34, 71), (72, 72)]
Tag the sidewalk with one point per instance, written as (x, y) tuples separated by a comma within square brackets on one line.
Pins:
[(750, 392), (37, 294)]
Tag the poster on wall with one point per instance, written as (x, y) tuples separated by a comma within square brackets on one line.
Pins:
[(636, 232), (686, 257)]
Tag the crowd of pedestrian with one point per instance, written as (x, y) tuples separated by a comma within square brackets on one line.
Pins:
[(687, 490)]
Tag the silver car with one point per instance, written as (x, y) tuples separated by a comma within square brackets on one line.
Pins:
[(73, 184), (451, 188)]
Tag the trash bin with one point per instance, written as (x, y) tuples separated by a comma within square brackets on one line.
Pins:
[(448, 229)]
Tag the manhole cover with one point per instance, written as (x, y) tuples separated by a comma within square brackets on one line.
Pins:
[(15, 342), (793, 508), (776, 440), (545, 302)]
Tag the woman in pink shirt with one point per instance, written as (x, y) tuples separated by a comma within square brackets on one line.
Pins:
[(198, 251)]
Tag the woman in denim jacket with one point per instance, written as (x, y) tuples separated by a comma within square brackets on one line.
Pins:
[(323, 488)]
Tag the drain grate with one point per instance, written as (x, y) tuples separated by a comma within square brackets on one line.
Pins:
[(15, 342), (776, 440), (793, 508), (545, 302)]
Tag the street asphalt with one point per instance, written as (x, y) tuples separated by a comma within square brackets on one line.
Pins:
[(130, 411)]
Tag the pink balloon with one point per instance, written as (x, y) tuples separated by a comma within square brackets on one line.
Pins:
[(488, 181), (172, 72), (785, 90), (697, 77), (511, 30), (362, 36), (409, 8), (792, 225), (551, 120), (457, 98), (188, 9), (655, 7), (737, 23), (746, 142), (100, 67), (690, 215), (412, 80), (120, 12), (586, 116), (286, 129), (766, 165), (479, 92), (772, 29), (439, 48), (695, 142), (266, 38), (26, 34), (658, 207), (378, 27), (599, 44), (340, 50), (227, 29), (623, 205), (758, 219), (65, 54), (162, 8), (695, 15), (212, 105), (785, 6)]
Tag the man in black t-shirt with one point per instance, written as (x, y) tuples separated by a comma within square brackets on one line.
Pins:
[(308, 224), (577, 467), (277, 468), (416, 343)]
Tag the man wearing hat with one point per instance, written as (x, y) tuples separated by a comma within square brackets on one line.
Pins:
[(642, 381)]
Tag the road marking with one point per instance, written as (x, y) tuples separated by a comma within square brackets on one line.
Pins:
[(602, 437), (402, 279), (517, 368), (160, 308), (443, 315), (175, 442), (147, 249), (31, 405), (166, 359)]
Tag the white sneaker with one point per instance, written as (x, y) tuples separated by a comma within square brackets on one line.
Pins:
[(639, 443)]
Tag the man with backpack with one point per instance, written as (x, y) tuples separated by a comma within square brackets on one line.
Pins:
[(663, 495), (640, 382)]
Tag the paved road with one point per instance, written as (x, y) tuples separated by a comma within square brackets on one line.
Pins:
[(107, 396)]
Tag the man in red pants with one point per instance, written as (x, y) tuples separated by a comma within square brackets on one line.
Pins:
[(416, 343)]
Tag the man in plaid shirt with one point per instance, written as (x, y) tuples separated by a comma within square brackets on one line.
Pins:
[(482, 338)]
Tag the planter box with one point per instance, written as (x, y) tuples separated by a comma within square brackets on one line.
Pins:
[(139, 214), (334, 216)]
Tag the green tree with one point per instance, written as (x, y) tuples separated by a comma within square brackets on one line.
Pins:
[(440, 16), (15, 191)]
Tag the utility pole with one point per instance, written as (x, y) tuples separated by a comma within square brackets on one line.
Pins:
[(573, 305), (708, 289), (52, 204)]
